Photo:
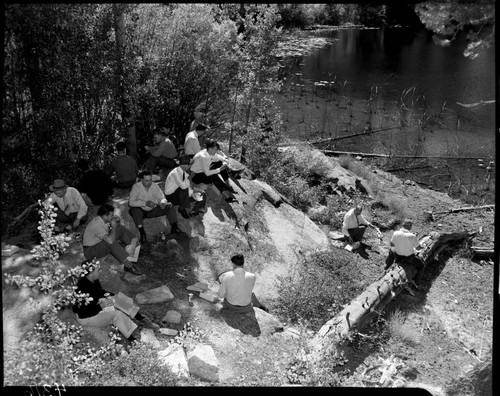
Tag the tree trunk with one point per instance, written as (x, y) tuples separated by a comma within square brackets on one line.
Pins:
[(127, 117), (374, 299)]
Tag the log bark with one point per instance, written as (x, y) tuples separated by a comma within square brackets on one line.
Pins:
[(354, 135), (430, 214), (354, 153), (373, 300)]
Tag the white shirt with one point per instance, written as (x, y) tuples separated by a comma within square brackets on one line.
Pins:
[(236, 286), (351, 221), (404, 242), (201, 163), (177, 178), (139, 195), (191, 143), (71, 202)]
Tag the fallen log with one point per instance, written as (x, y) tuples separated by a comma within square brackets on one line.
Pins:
[(16, 222), (353, 153), (482, 252), (368, 132), (430, 214), (373, 300)]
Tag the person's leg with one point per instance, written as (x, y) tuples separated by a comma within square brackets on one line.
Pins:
[(357, 233), (104, 318), (419, 265), (124, 235), (151, 163), (390, 259), (138, 216), (98, 250)]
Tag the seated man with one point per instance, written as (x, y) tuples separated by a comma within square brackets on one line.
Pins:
[(147, 201), (403, 246), (204, 172), (95, 183), (103, 236), (236, 288), (354, 225), (177, 186), (124, 167), (191, 141), (163, 154), (71, 209), (95, 314)]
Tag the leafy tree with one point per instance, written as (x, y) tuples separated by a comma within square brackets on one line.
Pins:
[(447, 18)]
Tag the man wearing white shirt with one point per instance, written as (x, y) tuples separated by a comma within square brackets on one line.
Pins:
[(191, 142), (177, 186), (354, 225), (71, 209), (204, 172), (147, 201), (403, 246), (236, 288)]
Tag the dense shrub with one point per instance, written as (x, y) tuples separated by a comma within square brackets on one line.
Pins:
[(318, 287)]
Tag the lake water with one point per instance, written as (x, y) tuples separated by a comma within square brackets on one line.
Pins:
[(395, 59)]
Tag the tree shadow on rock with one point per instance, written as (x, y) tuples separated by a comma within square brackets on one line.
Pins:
[(245, 322)]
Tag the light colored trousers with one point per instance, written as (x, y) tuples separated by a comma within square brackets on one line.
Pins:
[(104, 318)]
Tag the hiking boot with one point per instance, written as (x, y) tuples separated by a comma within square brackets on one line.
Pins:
[(184, 213), (231, 199), (133, 270)]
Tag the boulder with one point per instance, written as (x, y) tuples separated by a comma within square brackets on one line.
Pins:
[(268, 323), (172, 317), (160, 294), (203, 363), (148, 337), (175, 358)]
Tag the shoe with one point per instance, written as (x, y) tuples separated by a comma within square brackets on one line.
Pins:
[(133, 270), (184, 213), (231, 199), (176, 230)]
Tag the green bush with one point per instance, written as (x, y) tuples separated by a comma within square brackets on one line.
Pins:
[(318, 287)]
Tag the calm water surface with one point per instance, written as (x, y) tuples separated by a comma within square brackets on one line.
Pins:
[(395, 59)]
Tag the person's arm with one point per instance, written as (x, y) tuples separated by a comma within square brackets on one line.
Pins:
[(157, 151), (135, 197), (111, 236), (158, 196), (221, 293), (82, 207), (206, 167), (345, 226)]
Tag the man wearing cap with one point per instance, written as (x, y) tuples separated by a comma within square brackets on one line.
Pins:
[(124, 166), (177, 186), (71, 209), (164, 153), (191, 142), (105, 235), (404, 243), (147, 201), (236, 288)]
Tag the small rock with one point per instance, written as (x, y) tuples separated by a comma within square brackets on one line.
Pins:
[(172, 317), (148, 337), (160, 294), (175, 357)]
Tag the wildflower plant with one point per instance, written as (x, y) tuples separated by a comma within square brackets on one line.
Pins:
[(52, 351)]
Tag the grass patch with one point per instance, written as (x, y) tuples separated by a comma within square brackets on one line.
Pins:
[(399, 329)]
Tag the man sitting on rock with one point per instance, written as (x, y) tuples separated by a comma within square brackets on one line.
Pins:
[(177, 186), (354, 225), (104, 235), (148, 201), (191, 141), (163, 154), (403, 246), (236, 288), (98, 312), (205, 172), (71, 208), (124, 167)]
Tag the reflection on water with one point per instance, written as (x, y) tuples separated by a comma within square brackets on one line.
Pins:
[(394, 59)]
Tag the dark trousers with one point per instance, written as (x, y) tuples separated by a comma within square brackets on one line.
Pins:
[(124, 185), (219, 183), (138, 214), (164, 162), (412, 260), (242, 308), (116, 249), (64, 219), (357, 233), (180, 197)]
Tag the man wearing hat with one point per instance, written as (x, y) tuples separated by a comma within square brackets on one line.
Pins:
[(164, 153), (177, 186), (71, 209)]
